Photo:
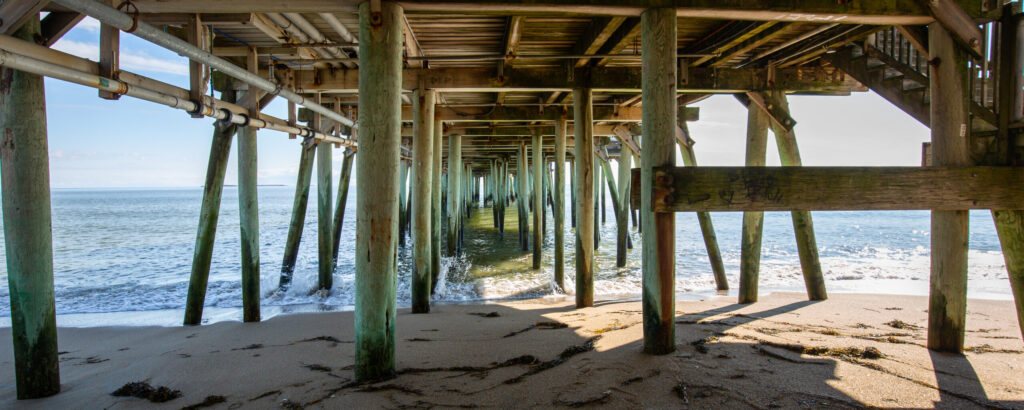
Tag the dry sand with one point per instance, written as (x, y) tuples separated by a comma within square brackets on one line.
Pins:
[(782, 352)]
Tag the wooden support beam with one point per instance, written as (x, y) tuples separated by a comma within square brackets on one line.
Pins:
[(918, 37), (597, 34), (523, 114), (209, 213), (753, 220), (513, 32), (707, 228), (624, 36), (537, 155), (560, 132), (56, 24), (403, 200), (422, 185), (862, 12), (622, 210), (523, 197), (601, 79), (324, 216), (14, 14), (735, 42), (659, 118), (248, 207), (949, 84), (110, 45), (194, 30), (758, 188), (958, 23), (584, 196), (435, 204), (298, 219), (25, 172), (755, 43), (380, 54), (412, 45), (455, 209)]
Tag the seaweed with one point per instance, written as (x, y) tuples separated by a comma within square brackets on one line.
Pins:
[(207, 402), (144, 390)]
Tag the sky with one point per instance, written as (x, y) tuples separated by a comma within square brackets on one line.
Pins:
[(129, 143)]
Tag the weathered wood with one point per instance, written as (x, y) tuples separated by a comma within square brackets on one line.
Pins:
[(248, 209), (862, 12), (422, 184), (435, 207), (949, 84), (560, 128), (707, 228), (500, 114), (324, 214), (753, 220), (25, 172), (209, 213), (56, 24), (380, 105), (803, 225), (110, 45), (572, 190), (194, 36), (298, 219), (622, 215), (598, 193), (538, 201), (658, 40), (454, 192), (403, 204), (340, 204), (523, 198), (583, 101)]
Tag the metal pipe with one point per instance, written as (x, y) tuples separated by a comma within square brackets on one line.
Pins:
[(113, 17), (316, 36), (338, 27), (39, 67), (301, 36)]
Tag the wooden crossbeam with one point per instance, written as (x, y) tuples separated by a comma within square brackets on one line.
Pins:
[(598, 33), (888, 12), (14, 13), (600, 79), (56, 24), (689, 189)]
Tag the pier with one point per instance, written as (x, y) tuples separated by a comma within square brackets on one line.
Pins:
[(444, 107)]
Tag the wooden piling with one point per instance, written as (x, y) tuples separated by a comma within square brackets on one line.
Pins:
[(298, 219), (403, 204), (523, 198), (25, 172), (950, 127), (380, 115), (340, 204), (324, 213), (598, 193), (707, 228), (572, 192), (658, 38), (454, 190), (803, 226), (422, 183), (435, 208), (216, 167), (753, 221), (538, 200), (622, 216), (248, 211), (583, 115)]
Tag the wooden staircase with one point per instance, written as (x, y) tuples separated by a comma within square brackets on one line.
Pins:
[(889, 64)]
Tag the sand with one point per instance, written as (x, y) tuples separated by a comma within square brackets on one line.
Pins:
[(782, 352)]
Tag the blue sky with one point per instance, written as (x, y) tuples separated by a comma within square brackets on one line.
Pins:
[(133, 143)]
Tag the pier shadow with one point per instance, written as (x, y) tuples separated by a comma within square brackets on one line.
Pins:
[(957, 380)]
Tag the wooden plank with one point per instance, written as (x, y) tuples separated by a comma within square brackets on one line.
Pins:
[(194, 30), (523, 114), (110, 44), (840, 188), (597, 34), (878, 12), (601, 79), (56, 24), (513, 32), (14, 13)]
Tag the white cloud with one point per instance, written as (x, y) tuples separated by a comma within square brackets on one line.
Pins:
[(131, 61), (89, 24)]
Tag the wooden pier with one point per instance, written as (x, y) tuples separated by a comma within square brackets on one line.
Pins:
[(459, 102)]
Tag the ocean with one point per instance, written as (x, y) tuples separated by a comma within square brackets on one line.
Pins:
[(123, 257)]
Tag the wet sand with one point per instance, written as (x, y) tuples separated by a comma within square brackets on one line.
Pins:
[(782, 352)]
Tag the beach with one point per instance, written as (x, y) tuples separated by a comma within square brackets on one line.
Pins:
[(853, 350)]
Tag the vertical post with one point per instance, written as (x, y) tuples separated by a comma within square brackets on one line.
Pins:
[(194, 34), (298, 220), (622, 216), (422, 184), (658, 86), (572, 189), (454, 188), (949, 85), (803, 225), (523, 197), (324, 213), (340, 204), (583, 119), (380, 87), (753, 221), (603, 194), (110, 50), (27, 234), (248, 206), (403, 204), (435, 207), (538, 200), (220, 150), (707, 228), (598, 192)]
